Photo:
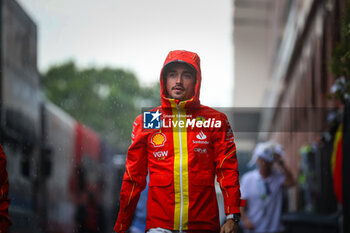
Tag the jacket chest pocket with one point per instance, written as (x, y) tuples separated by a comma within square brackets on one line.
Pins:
[(202, 180), (202, 158), (159, 180)]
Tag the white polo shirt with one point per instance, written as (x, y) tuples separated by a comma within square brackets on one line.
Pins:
[(264, 200)]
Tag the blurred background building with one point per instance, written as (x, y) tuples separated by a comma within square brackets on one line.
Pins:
[(285, 71)]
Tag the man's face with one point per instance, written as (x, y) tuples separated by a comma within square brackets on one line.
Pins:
[(180, 81), (265, 167)]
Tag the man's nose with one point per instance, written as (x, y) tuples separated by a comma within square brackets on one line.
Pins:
[(179, 79)]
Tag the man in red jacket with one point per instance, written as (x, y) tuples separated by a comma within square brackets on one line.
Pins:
[(183, 145), (4, 187)]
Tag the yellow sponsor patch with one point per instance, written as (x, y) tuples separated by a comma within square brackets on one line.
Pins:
[(200, 118)]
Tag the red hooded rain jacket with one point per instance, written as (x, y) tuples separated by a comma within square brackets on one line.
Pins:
[(183, 160)]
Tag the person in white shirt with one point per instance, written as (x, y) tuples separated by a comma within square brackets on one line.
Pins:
[(262, 189)]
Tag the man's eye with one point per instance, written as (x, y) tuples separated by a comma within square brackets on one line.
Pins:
[(188, 76)]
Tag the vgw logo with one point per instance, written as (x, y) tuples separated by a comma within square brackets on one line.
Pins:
[(151, 120)]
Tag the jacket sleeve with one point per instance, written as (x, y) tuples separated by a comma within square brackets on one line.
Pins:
[(4, 200), (226, 166), (134, 180)]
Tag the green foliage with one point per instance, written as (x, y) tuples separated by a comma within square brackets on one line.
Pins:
[(340, 61), (107, 100)]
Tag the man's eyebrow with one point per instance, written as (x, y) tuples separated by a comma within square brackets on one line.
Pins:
[(190, 72)]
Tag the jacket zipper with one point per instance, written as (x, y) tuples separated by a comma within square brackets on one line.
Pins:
[(181, 188)]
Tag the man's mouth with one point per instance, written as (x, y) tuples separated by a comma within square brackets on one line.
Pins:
[(178, 88)]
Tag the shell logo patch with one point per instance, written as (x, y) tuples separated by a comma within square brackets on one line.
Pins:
[(158, 139)]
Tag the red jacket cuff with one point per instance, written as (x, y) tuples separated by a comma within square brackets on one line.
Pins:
[(235, 209)]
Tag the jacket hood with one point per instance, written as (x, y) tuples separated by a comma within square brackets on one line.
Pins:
[(193, 60)]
